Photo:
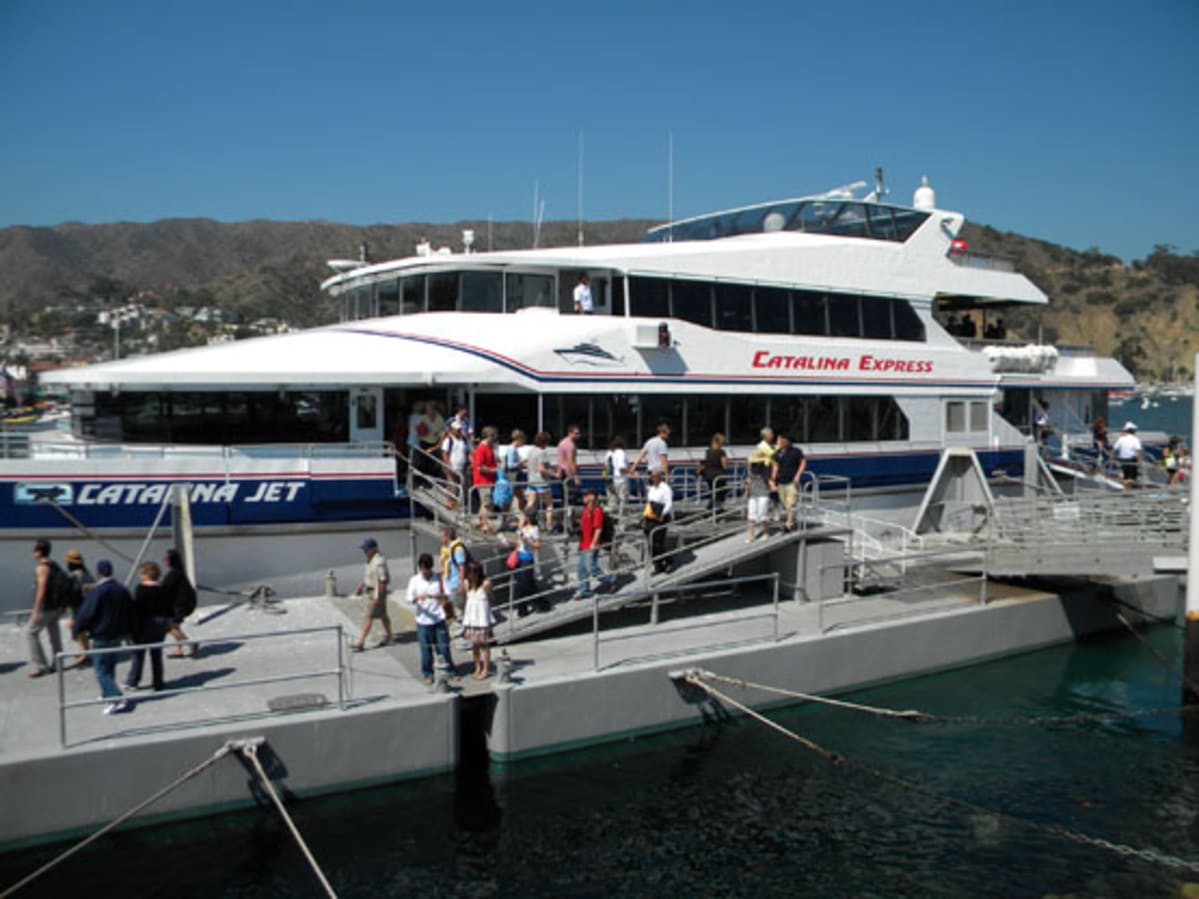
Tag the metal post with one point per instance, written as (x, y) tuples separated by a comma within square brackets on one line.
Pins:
[(341, 671), (653, 609), (1190, 658), (775, 578), (62, 698), (595, 633)]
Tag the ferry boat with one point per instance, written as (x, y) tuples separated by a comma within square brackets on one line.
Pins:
[(823, 316)]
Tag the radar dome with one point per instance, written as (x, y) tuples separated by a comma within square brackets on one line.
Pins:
[(925, 197)]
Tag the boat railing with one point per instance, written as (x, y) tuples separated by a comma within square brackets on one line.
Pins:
[(78, 449), (339, 671)]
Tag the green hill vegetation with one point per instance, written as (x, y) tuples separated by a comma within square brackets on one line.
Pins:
[(1145, 313)]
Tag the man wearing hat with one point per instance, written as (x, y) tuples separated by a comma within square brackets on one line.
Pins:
[(455, 452), (107, 617), (591, 526), (374, 585), (1127, 451)]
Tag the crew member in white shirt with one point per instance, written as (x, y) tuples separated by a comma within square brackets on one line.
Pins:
[(1127, 451), (582, 295)]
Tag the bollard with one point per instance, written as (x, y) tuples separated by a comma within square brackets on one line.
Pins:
[(441, 674), (330, 585), (504, 668)]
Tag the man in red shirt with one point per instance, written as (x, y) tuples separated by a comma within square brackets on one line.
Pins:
[(485, 468), (591, 526)]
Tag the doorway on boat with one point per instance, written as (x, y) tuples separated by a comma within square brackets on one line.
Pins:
[(366, 414)]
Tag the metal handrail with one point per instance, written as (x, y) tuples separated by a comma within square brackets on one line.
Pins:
[(654, 592), (340, 671)]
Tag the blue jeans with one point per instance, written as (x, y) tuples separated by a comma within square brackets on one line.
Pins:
[(589, 568), (427, 635), (105, 667)]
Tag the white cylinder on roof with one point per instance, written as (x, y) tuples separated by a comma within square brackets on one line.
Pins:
[(925, 197)]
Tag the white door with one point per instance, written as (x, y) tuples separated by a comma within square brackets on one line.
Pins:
[(366, 414)]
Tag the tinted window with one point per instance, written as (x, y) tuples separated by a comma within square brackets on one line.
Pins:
[(705, 416), (843, 317), (389, 298), (876, 318), (530, 290), (443, 292), (692, 301), (733, 308), (481, 292), (808, 312), (824, 420), (747, 416), (907, 323), (412, 290), (650, 297), (772, 311)]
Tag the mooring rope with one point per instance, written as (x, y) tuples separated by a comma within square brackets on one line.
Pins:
[(87, 841), (1157, 655), (248, 748), (250, 751), (915, 715), (696, 678)]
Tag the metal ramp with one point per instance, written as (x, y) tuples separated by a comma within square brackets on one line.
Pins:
[(713, 556), (1048, 533)]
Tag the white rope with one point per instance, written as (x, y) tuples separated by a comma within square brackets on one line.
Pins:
[(250, 751), (809, 697), (187, 775)]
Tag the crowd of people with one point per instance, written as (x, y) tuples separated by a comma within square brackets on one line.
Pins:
[(104, 617)]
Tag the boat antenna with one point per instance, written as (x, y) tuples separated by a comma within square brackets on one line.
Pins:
[(580, 187), (670, 185), (536, 227)]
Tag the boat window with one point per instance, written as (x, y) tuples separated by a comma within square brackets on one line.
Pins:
[(525, 291), (565, 409), (882, 222), (979, 415), (658, 408), (844, 319), (443, 292), (389, 298), (955, 417), (734, 307), (892, 423), (649, 297), (692, 301), (876, 318), (772, 311), (908, 325), (746, 417), (412, 290), (363, 305), (850, 221), (824, 420), (705, 416), (506, 411), (615, 416), (907, 221), (860, 420), (481, 292), (808, 312)]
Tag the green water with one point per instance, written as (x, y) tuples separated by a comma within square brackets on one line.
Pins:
[(733, 809)]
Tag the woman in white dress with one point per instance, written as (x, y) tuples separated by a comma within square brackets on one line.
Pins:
[(477, 620)]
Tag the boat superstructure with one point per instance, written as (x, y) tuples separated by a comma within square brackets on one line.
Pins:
[(822, 316)]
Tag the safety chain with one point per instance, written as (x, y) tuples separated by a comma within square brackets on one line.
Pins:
[(1150, 855), (919, 717), (1157, 655)]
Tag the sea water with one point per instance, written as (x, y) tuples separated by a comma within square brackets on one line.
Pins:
[(732, 808)]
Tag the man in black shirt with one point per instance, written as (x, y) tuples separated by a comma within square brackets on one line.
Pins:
[(786, 470)]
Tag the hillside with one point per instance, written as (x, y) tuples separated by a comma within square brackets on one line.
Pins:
[(1147, 313)]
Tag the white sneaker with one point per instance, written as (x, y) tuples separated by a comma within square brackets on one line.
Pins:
[(119, 706)]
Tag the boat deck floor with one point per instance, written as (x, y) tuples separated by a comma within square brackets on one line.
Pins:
[(29, 718)]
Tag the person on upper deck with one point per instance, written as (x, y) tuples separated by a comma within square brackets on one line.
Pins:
[(582, 296)]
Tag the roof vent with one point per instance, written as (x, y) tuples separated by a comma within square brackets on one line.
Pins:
[(925, 197)]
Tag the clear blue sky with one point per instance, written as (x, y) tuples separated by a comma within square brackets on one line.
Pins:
[(1075, 121)]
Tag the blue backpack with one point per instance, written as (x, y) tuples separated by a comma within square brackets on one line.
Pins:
[(501, 493)]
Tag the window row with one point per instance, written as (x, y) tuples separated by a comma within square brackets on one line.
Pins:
[(774, 310), (844, 218)]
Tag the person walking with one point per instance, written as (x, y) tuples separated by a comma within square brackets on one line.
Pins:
[(591, 524), (616, 462), (374, 582), (106, 618), (151, 616), (785, 471), (486, 469), (538, 468), (654, 453), (181, 600), (427, 597), (1127, 451), (477, 620), (714, 467), (82, 580), (47, 607), (524, 581), (757, 488), (567, 469), (659, 502)]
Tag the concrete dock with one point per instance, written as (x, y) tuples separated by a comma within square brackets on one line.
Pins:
[(566, 691)]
